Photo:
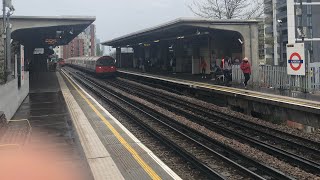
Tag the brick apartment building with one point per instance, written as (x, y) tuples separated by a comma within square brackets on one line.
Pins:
[(82, 45)]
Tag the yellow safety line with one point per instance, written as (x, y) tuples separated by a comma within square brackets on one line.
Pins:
[(136, 156)]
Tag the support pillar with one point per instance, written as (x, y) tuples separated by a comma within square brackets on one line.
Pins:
[(291, 22), (8, 53), (118, 57), (251, 50), (275, 33)]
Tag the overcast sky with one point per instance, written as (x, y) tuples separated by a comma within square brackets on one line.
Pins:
[(114, 17)]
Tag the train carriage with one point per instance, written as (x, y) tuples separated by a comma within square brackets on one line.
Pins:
[(98, 65)]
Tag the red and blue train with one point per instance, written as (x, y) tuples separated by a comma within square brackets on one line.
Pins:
[(98, 65)]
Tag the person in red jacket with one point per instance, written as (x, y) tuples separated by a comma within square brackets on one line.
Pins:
[(246, 69)]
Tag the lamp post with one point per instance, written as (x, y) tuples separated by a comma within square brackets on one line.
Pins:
[(307, 84)]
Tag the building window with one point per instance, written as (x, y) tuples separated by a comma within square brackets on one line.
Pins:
[(311, 33), (309, 21), (309, 10), (299, 21)]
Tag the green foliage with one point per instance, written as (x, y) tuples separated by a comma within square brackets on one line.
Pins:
[(2, 73), (99, 50)]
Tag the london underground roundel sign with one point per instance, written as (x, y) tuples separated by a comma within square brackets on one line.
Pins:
[(296, 62)]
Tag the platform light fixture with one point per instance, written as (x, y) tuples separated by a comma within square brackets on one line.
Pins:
[(240, 41), (180, 37)]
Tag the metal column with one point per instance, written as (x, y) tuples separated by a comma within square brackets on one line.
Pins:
[(118, 56), (275, 33)]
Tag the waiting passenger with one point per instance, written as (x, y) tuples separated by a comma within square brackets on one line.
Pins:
[(236, 61), (227, 67), (147, 65), (173, 65), (246, 69), (216, 72), (203, 66)]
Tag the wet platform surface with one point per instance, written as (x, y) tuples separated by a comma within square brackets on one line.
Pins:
[(47, 112), (197, 78)]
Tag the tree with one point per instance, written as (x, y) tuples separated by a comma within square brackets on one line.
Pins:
[(99, 50), (227, 9)]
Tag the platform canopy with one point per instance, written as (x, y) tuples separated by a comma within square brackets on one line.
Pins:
[(42, 31), (180, 28)]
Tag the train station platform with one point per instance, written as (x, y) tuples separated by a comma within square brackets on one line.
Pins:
[(288, 106), (208, 80), (58, 108)]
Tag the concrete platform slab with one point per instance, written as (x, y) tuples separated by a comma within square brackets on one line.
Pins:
[(49, 116)]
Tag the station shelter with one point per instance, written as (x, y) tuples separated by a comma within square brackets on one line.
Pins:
[(183, 43), (32, 41)]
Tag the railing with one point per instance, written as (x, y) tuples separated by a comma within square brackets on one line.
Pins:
[(273, 77), (237, 75), (276, 77), (315, 76), (12, 136)]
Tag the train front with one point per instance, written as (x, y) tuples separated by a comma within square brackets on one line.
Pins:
[(106, 66)]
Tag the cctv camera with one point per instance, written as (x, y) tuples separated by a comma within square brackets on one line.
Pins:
[(279, 21)]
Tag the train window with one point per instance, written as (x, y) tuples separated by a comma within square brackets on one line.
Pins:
[(106, 61)]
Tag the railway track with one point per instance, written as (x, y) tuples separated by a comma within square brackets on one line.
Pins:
[(211, 157), (274, 144), (235, 129)]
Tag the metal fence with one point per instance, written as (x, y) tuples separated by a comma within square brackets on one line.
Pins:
[(276, 77), (315, 76)]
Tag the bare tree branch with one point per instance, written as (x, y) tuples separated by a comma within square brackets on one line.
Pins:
[(227, 9)]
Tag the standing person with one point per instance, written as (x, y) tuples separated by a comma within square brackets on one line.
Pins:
[(146, 64), (246, 69), (236, 61), (173, 64), (216, 72), (227, 66), (203, 66), (222, 63)]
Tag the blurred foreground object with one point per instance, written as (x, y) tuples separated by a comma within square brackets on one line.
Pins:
[(35, 161)]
